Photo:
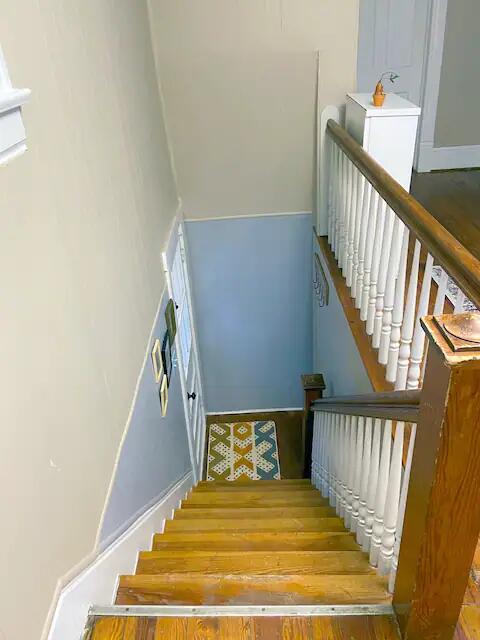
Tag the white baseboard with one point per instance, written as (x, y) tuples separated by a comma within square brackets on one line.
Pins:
[(432, 158), (97, 583), (248, 215), (234, 412)]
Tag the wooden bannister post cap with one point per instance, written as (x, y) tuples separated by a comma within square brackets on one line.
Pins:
[(313, 381), (457, 336)]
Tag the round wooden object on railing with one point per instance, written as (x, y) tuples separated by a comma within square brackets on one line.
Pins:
[(465, 326)]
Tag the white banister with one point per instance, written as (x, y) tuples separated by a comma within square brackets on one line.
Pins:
[(397, 313), (402, 507), (386, 252), (375, 205), (362, 510), (372, 483), (358, 473), (418, 342), (357, 290), (358, 225), (393, 275), (351, 225), (408, 322), (377, 249), (381, 493), (351, 469), (391, 503)]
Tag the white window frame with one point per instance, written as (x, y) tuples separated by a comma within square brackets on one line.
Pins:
[(12, 130)]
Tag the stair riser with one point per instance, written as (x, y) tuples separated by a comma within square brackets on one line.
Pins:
[(280, 524)]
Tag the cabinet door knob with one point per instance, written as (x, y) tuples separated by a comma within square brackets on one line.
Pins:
[(191, 396)]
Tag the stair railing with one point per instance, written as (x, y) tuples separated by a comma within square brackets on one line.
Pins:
[(398, 261), (402, 469)]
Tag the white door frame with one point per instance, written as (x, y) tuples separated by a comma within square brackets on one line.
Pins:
[(177, 235), (429, 157)]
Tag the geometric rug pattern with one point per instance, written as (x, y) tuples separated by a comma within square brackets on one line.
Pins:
[(243, 451)]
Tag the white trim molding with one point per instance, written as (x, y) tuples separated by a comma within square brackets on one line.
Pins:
[(12, 130), (239, 216), (96, 584), (432, 158)]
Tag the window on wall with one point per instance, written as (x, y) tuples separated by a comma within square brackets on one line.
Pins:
[(12, 131)]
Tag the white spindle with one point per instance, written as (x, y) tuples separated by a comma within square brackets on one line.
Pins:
[(401, 508), (386, 252), (358, 226), (333, 478), (345, 213), (336, 197), (459, 301), (393, 275), (397, 313), (372, 483), (441, 292), (341, 203), (367, 195), (408, 322), (341, 456), (330, 147), (418, 342), (392, 500), (352, 222), (377, 249), (381, 493), (375, 205), (315, 461), (358, 474), (362, 510), (351, 469), (325, 455)]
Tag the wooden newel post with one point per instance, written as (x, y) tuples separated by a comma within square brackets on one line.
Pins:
[(313, 387), (442, 518)]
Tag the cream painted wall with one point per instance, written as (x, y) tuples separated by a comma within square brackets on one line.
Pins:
[(239, 81), (457, 110), (83, 217)]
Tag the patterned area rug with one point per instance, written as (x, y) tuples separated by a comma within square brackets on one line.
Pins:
[(243, 451)]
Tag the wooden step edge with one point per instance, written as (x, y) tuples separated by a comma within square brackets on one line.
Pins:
[(254, 512), (252, 482), (191, 589)]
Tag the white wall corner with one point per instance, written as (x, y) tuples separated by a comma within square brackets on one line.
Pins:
[(97, 580)]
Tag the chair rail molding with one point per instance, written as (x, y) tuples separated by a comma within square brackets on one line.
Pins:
[(12, 130)]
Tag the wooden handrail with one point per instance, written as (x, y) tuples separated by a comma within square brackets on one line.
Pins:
[(459, 263), (393, 405)]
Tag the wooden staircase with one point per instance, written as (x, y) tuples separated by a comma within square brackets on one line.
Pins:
[(255, 543)]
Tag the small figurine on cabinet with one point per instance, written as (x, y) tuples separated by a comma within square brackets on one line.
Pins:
[(379, 94)]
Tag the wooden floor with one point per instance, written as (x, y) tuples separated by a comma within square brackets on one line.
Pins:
[(289, 437), (239, 628), (453, 198)]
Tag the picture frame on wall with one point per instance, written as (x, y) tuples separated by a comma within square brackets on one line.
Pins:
[(157, 361), (167, 357), (163, 395), (171, 322)]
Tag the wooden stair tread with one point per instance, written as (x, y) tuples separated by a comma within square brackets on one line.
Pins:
[(260, 524), (254, 512), (258, 488), (468, 625), (256, 540), (251, 483), (247, 628), (221, 589), (254, 562), (239, 500)]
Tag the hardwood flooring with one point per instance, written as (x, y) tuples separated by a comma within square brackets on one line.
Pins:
[(243, 628), (453, 198), (289, 436)]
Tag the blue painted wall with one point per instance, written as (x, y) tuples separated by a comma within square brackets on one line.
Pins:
[(251, 286), (155, 452), (336, 354)]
